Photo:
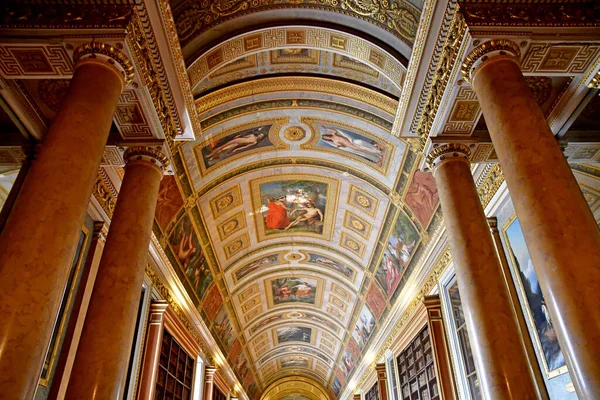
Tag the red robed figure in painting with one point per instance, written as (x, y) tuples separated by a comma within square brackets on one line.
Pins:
[(277, 217)]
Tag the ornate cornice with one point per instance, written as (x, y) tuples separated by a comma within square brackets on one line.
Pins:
[(531, 13), (153, 155), (193, 17), (487, 50), (16, 15), (447, 151), (595, 82), (488, 183), (108, 53), (439, 77)]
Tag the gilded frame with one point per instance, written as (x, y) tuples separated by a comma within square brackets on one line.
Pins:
[(52, 353), (525, 307), (320, 287)]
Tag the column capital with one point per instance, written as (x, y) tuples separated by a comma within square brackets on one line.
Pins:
[(100, 230), (432, 301), (356, 396), (493, 223), (153, 155), (209, 373), (486, 51), (448, 151), (105, 53), (380, 368), (159, 306)]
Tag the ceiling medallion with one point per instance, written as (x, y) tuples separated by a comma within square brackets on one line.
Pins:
[(294, 256), (295, 315), (363, 201), (294, 133)]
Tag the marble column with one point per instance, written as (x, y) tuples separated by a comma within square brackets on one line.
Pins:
[(39, 239), (501, 361), (439, 343), (559, 228), (102, 359), (154, 334), (209, 382), (381, 381)]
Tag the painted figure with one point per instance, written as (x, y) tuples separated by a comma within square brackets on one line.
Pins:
[(338, 139), (309, 214), (277, 217), (237, 144)]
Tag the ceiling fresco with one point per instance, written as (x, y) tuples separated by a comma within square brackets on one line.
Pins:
[(295, 219)]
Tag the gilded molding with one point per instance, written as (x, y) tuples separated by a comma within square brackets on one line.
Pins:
[(113, 55), (488, 183), (595, 82), (141, 42), (153, 155), (16, 15), (296, 84), (531, 13), (441, 77), (104, 196), (487, 50), (194, 17), (447, 151)]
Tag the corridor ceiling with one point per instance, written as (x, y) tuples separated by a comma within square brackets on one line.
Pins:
[(303, 213)]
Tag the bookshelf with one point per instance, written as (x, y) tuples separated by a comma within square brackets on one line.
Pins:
[(418, 379), (175, 371), (373, 393)]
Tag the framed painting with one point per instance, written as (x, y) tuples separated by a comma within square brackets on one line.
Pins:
[(534, 305), (232, 144), (292, 205), (364, 327), (294, 290), (294, 334), (65, 306)]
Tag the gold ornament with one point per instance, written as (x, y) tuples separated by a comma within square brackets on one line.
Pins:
[(294, 133)]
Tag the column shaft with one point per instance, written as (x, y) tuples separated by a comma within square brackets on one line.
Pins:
[(499, 355), (440, 347), (382, 381), (40, 235), (559, 228), (209, 382), (102, 358), (152, 351)]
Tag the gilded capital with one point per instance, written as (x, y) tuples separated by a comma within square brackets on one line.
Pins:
[(108, 54), (486, 51), (448, 151), (153, 155), (209, 373)]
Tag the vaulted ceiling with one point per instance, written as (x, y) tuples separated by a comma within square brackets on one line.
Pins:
[(302, 211)]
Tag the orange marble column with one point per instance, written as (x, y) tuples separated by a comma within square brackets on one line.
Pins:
[(496, 341), (154, 335), (40, 235), (381, 381), (209, 382), (100, 367), (559, 228), (441, 352)]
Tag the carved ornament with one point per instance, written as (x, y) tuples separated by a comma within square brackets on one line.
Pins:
[(294, 133), (194, 17), (531, 14), (487, 50), (595, 82), (447, 151), (108, 53), (153, 155)]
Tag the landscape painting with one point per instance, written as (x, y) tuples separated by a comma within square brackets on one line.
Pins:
[(364, 327), (234, 144), (397, 254), (294, 334), (265, 261), (331, 264), (294, 206), (190, 256), (545, 334), (352, 143), (294, 290)]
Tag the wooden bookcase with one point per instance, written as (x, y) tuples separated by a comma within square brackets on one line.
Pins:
[(418, 379), (373, 393), (175, 371)]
